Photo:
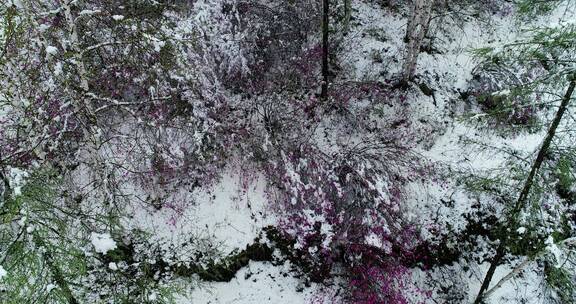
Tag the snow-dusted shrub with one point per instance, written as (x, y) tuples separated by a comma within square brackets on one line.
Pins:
[(345, 94), (279, 51), (460, 11), (343, 204), (95, 92), (45, 129), (345, 210), (566, 179), (37, 119), (562, 280), (505, 92), (106, 87), (257, 47)]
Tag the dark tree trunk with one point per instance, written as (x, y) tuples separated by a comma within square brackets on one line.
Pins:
[(347, 14), (325, 25)]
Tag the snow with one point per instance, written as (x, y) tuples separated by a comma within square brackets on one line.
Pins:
[(232, 212), (373, 240), (153, 296), (102, 242), (554, 250), (50, 287), (158, 45), (51, 50), (17, 179), (228, 212), (43, 27), (89, 12), (525, 288), (3, 272), (22, 221), (255, 284), (58, 68), (17, 3)]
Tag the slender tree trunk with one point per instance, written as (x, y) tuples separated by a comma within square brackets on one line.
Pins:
[(75, 43), (78, 59), (325, 12), (4, 187), (520, 267), (415, 32), (522, 199), (347, 14)]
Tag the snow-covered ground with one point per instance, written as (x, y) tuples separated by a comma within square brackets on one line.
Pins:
[(372, 51), (259, 282), (232, 211)]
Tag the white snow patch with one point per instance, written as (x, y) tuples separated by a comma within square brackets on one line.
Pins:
[(51, 50), (228, 212), (17, 180), (58, 68), (373, 240), (555, 250), (43, 27), (89, 12), (22, 221), (3, 272), (102, 242), (50, 287), (153, 296), (257, 283), (158, 45)]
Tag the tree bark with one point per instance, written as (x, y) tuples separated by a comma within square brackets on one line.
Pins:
[(325, 24), (4, 187), (415, 32), (522, 199), (347, 14), (85, 107), (75, 42)]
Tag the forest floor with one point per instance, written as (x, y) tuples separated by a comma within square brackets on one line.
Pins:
[(234, 215)]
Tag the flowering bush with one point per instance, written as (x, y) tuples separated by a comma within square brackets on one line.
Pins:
[(345, 210)]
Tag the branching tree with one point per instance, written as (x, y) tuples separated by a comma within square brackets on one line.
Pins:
[(553, 49), (512, 222)]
